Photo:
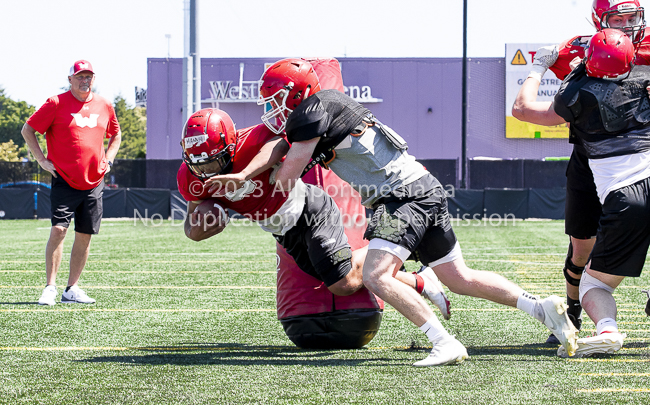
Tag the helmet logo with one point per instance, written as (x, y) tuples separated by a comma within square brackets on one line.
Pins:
[(200, 158), (195, 140)]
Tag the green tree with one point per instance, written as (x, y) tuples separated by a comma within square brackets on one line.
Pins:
[(133, 123), (13, 115), (9, 152)]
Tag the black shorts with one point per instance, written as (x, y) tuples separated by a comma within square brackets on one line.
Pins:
[(624, 234), (86, 205), (416, 217), (582, 208), (318, 242)]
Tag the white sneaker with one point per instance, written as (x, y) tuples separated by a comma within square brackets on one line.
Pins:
[(604, 343), (557, 320), (76, 295), (433, 291), (446, 351), (48, 297)]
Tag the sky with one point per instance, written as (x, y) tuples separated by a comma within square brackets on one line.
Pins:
[(41, 39)]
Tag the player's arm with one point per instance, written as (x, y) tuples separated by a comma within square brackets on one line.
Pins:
[(29, 134), (196, 228), (269, 154), (298, 157), (526, 107), (113, 146)]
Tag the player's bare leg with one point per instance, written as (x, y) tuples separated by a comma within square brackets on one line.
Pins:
[(596, 290), (379, 273), (551, 311), (581, 250), (574, 265), (462, 280), (423, 282)]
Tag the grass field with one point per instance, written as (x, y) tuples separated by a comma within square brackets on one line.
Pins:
[(179, 322)]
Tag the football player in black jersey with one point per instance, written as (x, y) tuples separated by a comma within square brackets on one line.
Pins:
[(410, 219), (605, 101)]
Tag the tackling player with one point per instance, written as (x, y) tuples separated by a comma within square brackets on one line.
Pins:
[(410, 218), (582, 207), (235, 168), (605, 99)]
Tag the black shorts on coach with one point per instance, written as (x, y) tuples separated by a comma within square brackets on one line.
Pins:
[(86, 206), (318, 243)]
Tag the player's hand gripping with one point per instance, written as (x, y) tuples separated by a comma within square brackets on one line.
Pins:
[(225, 183), (544, 59)]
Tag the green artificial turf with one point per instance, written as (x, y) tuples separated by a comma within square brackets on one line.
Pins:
[(179, 322)]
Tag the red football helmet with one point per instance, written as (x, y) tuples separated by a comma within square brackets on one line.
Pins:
[(209, 140), (609, 55), (283, 86), (625, 15)]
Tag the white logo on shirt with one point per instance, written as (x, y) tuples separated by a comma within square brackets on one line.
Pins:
[(90, 122), (243, 192)]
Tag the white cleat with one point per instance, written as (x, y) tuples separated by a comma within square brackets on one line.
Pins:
[(605, 343), (76, 295), (433, 291), (48, 297), (445, 351), (557, 320)]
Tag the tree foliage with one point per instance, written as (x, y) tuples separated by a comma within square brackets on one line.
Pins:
[(9, 152), (13, 115), (133, 123)]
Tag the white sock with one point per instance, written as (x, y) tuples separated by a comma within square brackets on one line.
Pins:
[(531, 305), (606, 325), (434, 330)]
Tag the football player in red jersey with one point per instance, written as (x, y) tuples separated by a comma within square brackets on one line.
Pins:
[(582, 209), (236, 168)]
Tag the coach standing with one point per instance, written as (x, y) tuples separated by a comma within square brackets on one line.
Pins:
[(75, 124)]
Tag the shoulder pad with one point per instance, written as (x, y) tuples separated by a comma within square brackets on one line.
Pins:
[(643, 50)]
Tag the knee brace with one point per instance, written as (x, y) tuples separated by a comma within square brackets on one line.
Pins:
[(568, 265), (589, 282)]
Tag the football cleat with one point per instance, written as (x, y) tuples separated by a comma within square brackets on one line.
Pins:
[(76, 295), (605, 343), (48, 297), (557, 320), (447, 350), (577, 322), (433, 291), (552, 340)]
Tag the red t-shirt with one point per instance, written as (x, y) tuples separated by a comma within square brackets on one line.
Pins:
[(257, 199), (75, 132)]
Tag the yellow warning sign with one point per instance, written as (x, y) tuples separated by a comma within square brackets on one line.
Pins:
[(519, 58)]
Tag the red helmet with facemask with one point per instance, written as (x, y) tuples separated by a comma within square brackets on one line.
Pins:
[(609, 55), (625, 15), (283, 86), (209, 140)]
